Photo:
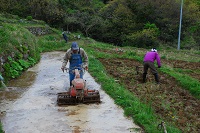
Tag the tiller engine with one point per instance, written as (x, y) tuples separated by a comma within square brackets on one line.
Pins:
[(78, 92)]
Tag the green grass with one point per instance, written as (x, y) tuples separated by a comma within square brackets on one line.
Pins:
[(184, 55), (48, 43), (14, 36), (1, 128), (189, 83)]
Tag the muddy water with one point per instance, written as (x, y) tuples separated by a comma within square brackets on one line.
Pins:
[(30, 104)]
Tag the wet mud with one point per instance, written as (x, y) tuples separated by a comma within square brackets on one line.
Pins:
[(30, 104)]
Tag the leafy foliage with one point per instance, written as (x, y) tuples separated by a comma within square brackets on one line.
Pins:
[(12, 68), (9, 72), (24, 64), (31, 61), (29, 18), (113, 21), (144, 38)]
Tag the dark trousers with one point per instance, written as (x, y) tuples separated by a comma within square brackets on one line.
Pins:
[(147, 65)]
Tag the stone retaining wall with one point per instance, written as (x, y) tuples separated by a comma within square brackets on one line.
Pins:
[(38, 31)]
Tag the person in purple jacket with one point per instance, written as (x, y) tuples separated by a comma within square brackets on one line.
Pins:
[(149, 59)]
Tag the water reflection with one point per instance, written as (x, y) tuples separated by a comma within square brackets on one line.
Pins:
[(14, 89)]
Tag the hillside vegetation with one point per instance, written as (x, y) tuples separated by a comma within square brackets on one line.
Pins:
[(137, 23), (175, 101)]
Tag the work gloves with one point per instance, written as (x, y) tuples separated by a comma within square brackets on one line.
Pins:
[(86, 68)]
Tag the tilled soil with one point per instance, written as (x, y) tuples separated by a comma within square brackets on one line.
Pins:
[(171, 102)]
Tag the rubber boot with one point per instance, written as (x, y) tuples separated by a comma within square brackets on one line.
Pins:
[(156, 78), (70, 83), (144, 77)]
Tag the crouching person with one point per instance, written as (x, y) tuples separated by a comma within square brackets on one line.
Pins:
[(149, 59)]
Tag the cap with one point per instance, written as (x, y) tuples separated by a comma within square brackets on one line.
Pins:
[(153, 50), (74, 46)]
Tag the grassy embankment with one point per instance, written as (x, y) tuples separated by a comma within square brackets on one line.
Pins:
[(16, 41)]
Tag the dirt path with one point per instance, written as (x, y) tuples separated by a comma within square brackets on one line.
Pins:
[(30, 105)]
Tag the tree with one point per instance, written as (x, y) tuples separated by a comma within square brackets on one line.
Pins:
[(42, 9), (70, 19), (87, 21), (121, 20)]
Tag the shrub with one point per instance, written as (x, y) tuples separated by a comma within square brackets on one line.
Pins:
[(24, 63), (142, 39), (29, 18)]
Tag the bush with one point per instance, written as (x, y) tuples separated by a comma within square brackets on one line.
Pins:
[(29, 18), (142, 39)]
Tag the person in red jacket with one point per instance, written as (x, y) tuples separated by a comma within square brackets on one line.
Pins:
[(149, 59)]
